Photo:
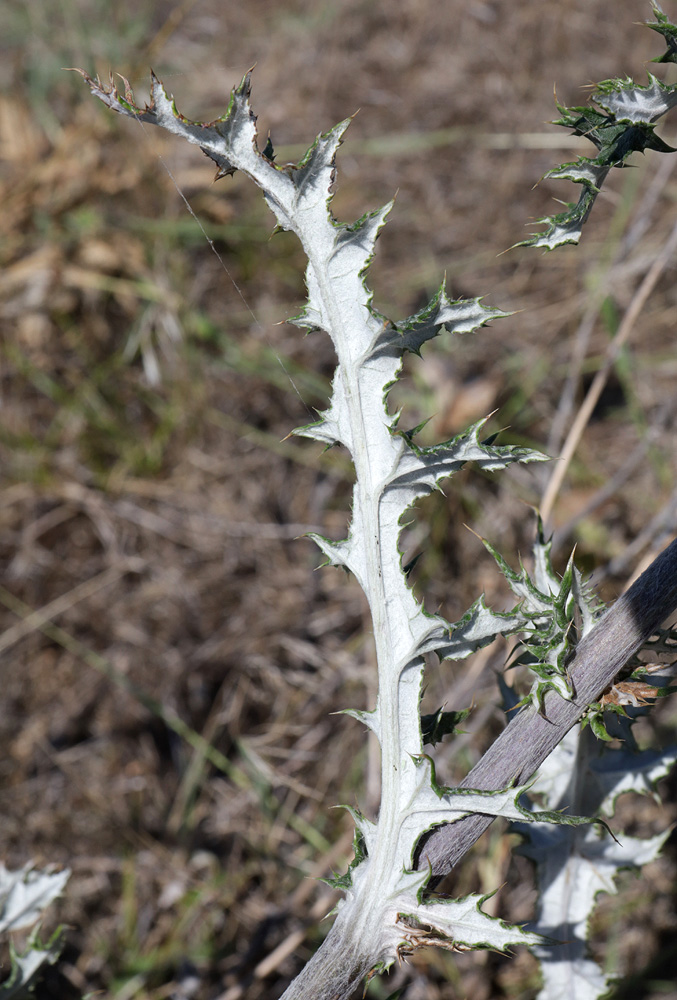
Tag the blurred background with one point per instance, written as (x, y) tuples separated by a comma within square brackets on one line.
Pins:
[(170, 655)]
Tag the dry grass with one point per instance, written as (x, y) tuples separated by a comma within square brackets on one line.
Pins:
[(170, 659)]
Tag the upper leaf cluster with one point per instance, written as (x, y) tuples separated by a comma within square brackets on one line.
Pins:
[(621, 120)]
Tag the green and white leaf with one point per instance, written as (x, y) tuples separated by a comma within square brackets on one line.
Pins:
[(26, 968), (620, 120), (575, 865), (26, 893), (557, 613), (463, 924), (668, 29)]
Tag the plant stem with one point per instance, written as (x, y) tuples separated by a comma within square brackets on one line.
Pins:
[(337, 968), (340, 965)]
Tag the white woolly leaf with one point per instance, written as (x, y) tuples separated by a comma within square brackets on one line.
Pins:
[(441, 313), (459, 924), (25, 967), (628, 101), (575, 865), (24, 896), (26, 893), (619, 771)]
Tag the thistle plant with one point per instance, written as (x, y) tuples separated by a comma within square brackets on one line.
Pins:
[(573, 649), (24, 896)]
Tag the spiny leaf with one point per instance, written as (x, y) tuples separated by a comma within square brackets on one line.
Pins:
[(439, 724), (209, 136), (459, 925), (419, 470), (557, 612), (478, 627), (26, 966), (574, 865), (441, 313), (595, 719), (620, 120), (627, 101), (26, 893), (345, 882), (24, 896), (668, 30)]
